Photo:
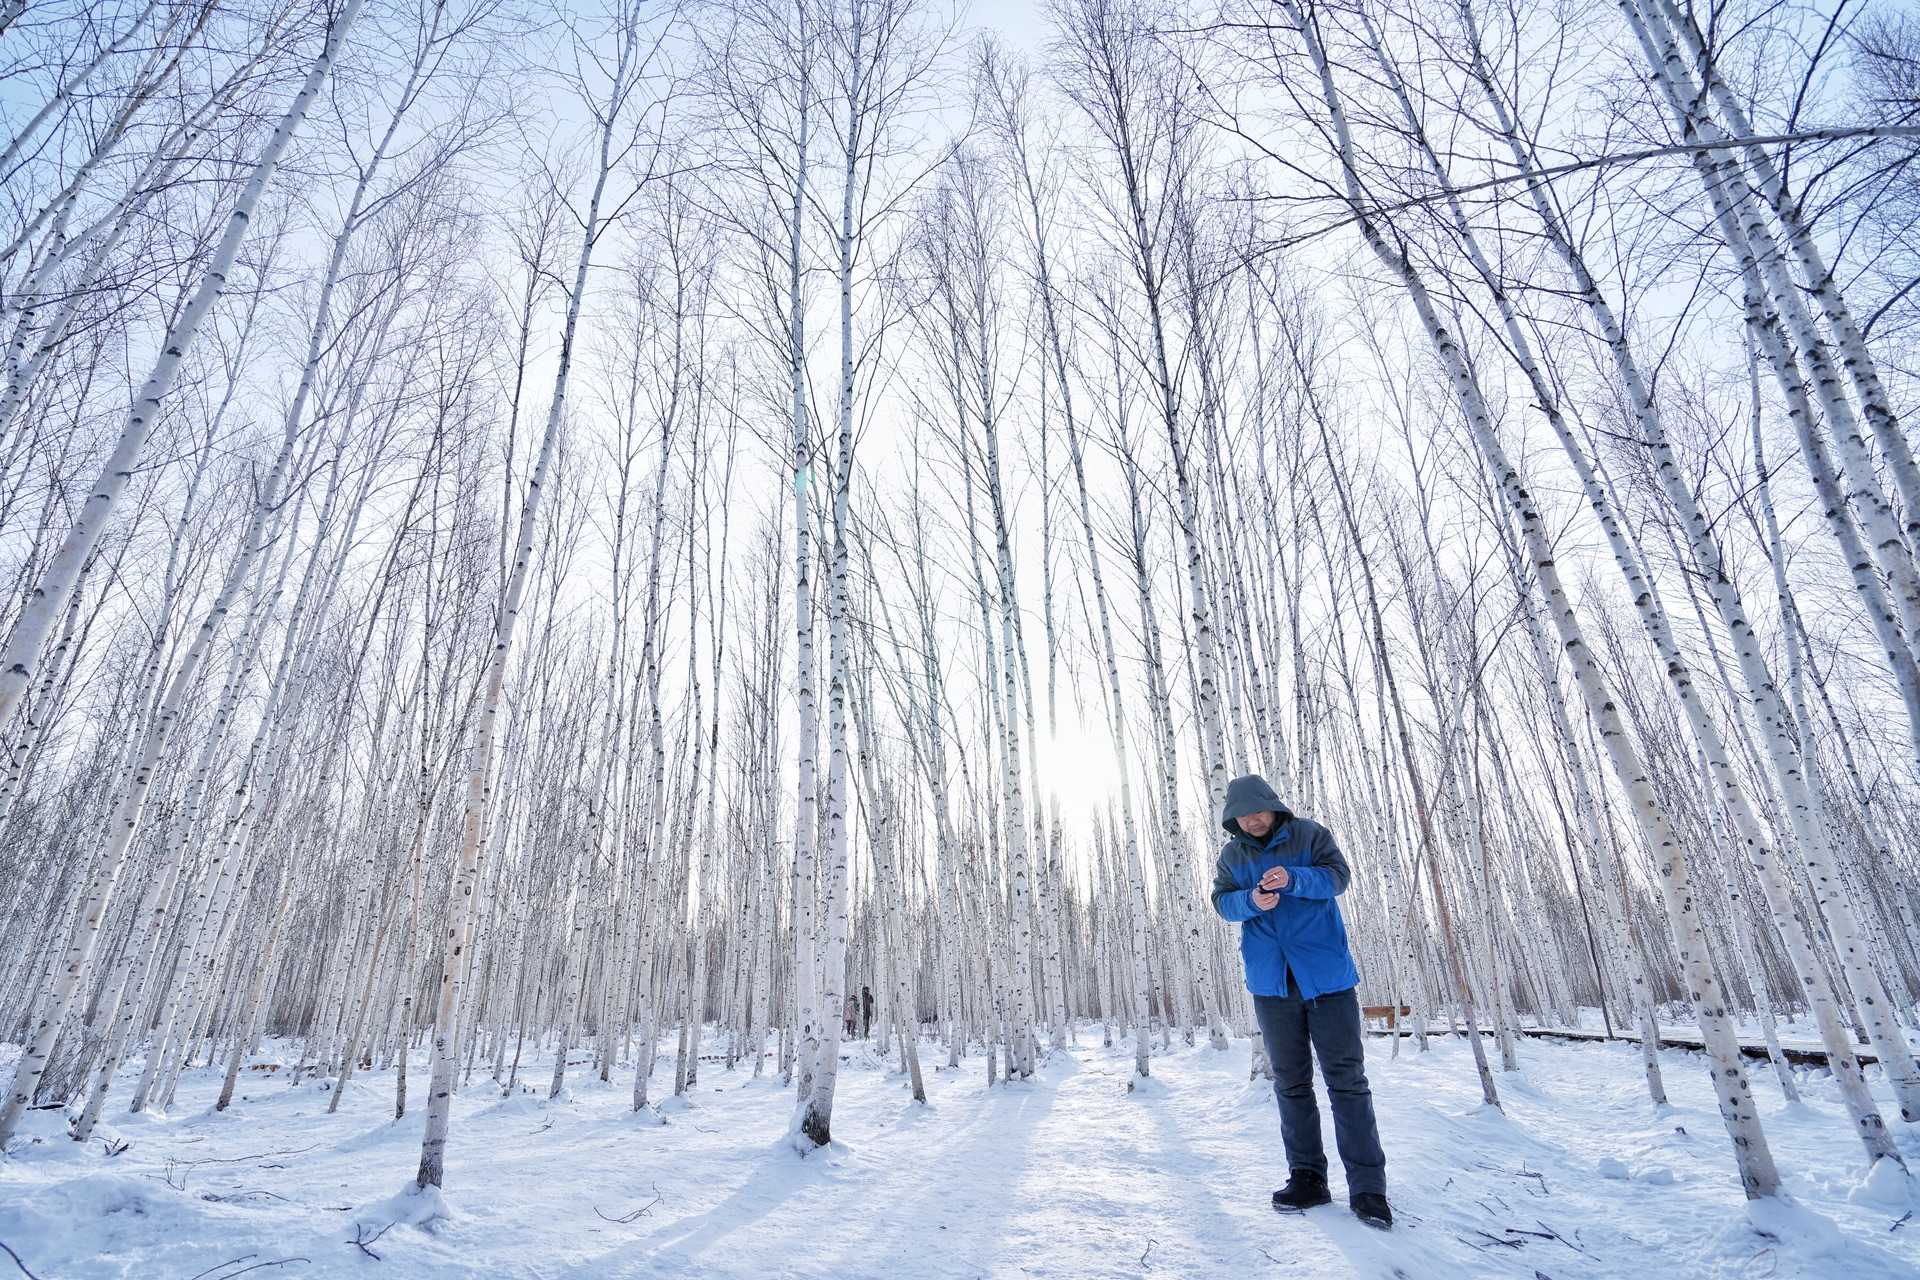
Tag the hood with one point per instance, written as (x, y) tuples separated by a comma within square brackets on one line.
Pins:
[(1249, 794)]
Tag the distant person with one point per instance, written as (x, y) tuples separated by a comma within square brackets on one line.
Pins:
[(1278, 875), (866, 1012), (852, 1016)]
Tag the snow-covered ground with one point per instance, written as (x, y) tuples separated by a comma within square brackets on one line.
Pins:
[(1070, 1175)]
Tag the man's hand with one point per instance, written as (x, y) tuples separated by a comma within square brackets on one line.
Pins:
[(1267, 892)]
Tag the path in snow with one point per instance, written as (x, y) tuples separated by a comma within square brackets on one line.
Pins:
[(1067, 1176)]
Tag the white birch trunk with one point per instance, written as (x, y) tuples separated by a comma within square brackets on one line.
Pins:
[(1760, 850), (1758, 1176), (1817, 279), (109, 859), (1136, 910), (21, 657), (466, 878), (808, 1008), (1736, 210)]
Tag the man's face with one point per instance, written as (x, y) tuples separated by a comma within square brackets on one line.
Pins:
[(1257, 824)]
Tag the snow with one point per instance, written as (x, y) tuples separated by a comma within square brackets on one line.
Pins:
[(1068, 1175)]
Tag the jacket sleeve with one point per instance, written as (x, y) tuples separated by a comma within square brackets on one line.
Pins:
[(1326, 876), (1233, 903)]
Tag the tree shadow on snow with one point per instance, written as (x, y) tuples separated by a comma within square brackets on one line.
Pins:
[(949, 1192), (672, 1249)]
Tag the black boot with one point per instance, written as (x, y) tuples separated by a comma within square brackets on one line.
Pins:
[(1370, 1207), (1303, 1191)]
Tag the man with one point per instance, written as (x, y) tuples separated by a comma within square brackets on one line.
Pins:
[(1278, 876)]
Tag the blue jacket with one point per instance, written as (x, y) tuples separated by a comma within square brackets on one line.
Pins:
[(1303, 932)]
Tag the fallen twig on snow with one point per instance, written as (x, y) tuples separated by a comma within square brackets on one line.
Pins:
[(1511, 1244), (364, 1241), (16, 1262), (218, 1265), (257, 1266), (243, 1193), (260, 1266), (637, 1213), (1555, 1235), (185, 1168)]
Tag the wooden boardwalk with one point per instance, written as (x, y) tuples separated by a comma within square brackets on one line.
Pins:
[(1806, 1053)]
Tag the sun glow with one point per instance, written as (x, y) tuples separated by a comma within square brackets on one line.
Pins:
[(1078, 765)]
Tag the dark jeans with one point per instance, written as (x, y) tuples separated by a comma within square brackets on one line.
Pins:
[(1331, 1025)]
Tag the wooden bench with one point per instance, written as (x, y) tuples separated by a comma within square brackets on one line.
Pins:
[(1388, 1011)]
